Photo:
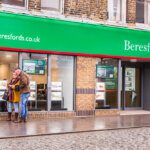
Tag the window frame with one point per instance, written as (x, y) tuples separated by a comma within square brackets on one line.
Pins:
[(122, 11), (59, 11), (15, 7), (146, 23), (146, 13)]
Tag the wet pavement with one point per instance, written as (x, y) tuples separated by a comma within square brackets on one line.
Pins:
[(122, 139), (59, 126)]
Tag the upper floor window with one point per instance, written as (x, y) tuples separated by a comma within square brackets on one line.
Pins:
[(53, 5), (143, 11), (116, 10), (20, 3)]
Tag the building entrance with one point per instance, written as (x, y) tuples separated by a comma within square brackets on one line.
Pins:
[(131, 97)]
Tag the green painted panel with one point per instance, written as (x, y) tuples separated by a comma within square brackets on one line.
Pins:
[(35, 33)]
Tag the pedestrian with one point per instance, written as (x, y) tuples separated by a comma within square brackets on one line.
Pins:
[(25, 93), (14, 97)]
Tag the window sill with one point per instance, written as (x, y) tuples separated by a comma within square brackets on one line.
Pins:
[(48, 14), (142, 26), (116, 23)]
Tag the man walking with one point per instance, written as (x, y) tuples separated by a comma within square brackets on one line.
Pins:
[(25, 93)]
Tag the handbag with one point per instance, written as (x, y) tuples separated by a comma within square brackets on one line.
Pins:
[(17, 88), (5, 96)]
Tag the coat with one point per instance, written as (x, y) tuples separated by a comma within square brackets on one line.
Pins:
[(16, 94), (24, 83)]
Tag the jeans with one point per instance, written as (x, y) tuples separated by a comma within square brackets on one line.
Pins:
[(23, 105), (10, 106)]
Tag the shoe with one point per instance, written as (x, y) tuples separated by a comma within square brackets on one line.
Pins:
[(25, 120), (20, 120), (16, 118), (9, 116)]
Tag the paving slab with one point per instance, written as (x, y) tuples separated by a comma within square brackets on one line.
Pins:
[(71, 125)]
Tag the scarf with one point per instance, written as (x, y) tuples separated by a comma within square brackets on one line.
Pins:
[(10, 90)]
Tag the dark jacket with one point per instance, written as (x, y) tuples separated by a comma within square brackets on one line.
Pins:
[(24, 83)]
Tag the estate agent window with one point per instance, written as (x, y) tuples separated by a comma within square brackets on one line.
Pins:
[(106, 83)]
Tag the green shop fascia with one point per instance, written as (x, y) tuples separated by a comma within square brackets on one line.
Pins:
[(35, 34)]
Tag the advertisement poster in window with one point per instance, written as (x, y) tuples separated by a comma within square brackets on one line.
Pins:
[(104, 71), (56, 86), (100, 86), (130, 79), (32, 85), (56, 96), (100, 95), (34, 66), (3, 84), (32, 96), (1, 95), (111, 84)]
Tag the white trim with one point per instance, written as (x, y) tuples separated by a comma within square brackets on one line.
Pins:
[(146, 15), (142, 26)]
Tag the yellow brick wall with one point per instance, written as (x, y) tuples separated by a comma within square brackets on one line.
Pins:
[(85, 81), (93, 9), (131, 11)]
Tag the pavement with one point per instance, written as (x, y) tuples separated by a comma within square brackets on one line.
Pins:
[(72, 125), (122, 139)]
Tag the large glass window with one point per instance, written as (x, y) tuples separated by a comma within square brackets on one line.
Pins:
[(54, 5), (36, 67), (62, 82), (106, 83), (116, 10), (14, 2), (8, 63)]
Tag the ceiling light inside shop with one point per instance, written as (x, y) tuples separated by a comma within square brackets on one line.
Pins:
[(8, 56), (133, 60)]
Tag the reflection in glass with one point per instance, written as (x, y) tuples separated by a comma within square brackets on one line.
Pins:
[(62, 82), (106, 83), (38, 79), (8, 63)]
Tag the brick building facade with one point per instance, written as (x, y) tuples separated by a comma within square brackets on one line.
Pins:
[(94, 10)]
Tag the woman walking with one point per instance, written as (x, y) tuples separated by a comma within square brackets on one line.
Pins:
[(14, 97)]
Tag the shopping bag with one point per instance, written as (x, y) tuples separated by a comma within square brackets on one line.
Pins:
[(5, 96)]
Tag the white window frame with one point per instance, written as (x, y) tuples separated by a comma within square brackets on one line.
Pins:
[(111, 11), (146, 23), (147, 12), (14, 7), (60, 11)]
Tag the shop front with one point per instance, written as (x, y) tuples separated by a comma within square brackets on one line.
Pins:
[(75, 67)]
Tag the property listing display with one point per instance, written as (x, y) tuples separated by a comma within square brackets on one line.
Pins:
[(3, 87), (33, 91), (56, 93), (100, 91), (34, 66), (106, 84), (130, 79)]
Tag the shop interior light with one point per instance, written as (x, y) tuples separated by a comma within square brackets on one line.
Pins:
[(8, 56), (133, 60)]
